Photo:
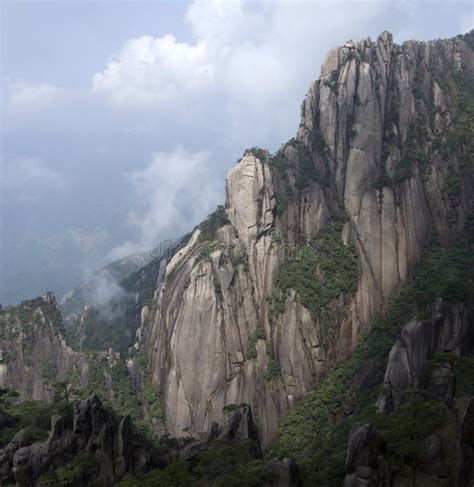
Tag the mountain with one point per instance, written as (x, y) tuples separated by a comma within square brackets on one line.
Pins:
[(316, 329), (103, 285), (102, 312), (278, 286), (38, 364), (86, 445)]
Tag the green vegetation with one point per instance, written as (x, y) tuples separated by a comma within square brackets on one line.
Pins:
[(261, 154), (28, 319), (48, 373), (230, 464), (28, 315), (284, 193), (113, 325), (212, 223), (463, 368), (252, 343), (154, 402), (239, 258), (34, 417), (119, 395), (228, 408), (459, 139), (423, 140), (406, 428), (176, 475), (318, 142), (97, 331), (307, 172), (415, 152), (273, 370), (318, 273), (83, 470), (314, 433)]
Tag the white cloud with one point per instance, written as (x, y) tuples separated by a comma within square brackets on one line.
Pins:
[(156, 71), (27, 178), (250, 63), (24, 95), (246, 70), (176, 191), (101, 291)]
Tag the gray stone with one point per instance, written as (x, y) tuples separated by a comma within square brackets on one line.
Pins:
[(285, 473)]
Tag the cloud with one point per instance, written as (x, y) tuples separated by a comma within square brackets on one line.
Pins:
[(101, 291), (24, 95), (248, 66), (155, 71), (241, 78), (28, 178), (176, 191)]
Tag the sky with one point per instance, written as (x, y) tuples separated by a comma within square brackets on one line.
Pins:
[(120, 120)]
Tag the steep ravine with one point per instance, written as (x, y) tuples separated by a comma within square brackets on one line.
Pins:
[(382, 165)]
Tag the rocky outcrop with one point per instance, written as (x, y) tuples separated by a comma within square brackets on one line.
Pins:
[(365, 464), (110, 445), (466, 438), (110, 316), (449, 329), (35, 355), (239, 425), (285, 473), (370, 145), (38, 363)]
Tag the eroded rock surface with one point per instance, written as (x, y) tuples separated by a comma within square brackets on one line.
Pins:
[(368, 146), (95, 432), (451, 331)]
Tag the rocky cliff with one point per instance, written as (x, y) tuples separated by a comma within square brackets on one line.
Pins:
[(86, 446), (34, 352), (38, 364), (328, 304), (104, 311), (276, 287)]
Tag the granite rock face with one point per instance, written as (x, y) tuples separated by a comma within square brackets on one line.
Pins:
[(34, 351), (451, 331), (466, 470), (368, 146), (285, 473), (93, 431), (365, 464), (35, 357)]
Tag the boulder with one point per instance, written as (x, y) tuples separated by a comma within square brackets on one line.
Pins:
[(447, 330), (285, 473), (239, 425), (95, 432), (466, 438), (365, 464)]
